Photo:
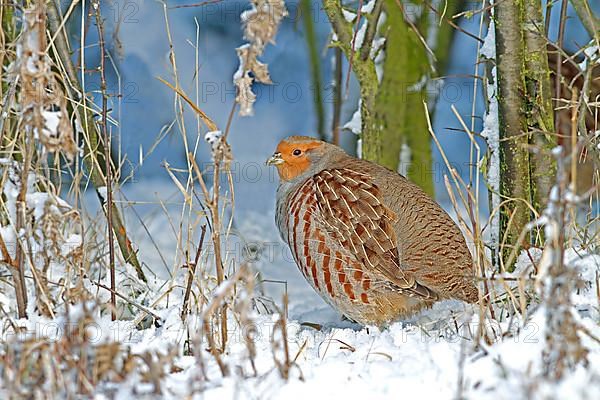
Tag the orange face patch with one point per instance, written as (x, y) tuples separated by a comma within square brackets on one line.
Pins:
[(295, 159)]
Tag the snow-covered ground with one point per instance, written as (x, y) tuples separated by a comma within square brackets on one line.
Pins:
[(433, 355), (436, 354)]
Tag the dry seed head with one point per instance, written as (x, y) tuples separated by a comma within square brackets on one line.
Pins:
[(260, 27)]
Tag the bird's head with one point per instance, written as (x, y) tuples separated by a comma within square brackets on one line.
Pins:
[(298, 155)]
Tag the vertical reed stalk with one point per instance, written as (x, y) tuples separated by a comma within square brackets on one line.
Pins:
[(107, 159)]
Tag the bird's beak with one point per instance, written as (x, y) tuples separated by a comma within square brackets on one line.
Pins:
[(275, 159)]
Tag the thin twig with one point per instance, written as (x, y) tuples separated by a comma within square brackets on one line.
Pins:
[(560, 42), (373, 19), (452, 24), (201, 4), (91, 132), (191, 274), (352, 43), (126, 299), (337, 96), (590, 21), (416, 31), (107, 158)]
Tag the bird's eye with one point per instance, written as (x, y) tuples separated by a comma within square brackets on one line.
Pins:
[(297, 152)]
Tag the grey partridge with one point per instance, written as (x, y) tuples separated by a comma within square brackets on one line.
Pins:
[(370, 242)]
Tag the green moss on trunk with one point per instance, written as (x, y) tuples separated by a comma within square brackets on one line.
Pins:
[(539, 111), (399, 115), (392, 111), (526, 118)]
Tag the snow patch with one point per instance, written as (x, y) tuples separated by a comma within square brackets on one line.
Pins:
[(349, 16), (52, 119), (405, 160), (213, 137), (368, 8), (592, 53), (355, 124), (491, 132), (101, 190), (359, 38)]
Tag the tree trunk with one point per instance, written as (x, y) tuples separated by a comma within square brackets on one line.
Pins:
[(394, 129), (402, 141), (526, 119), (540, 116)]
